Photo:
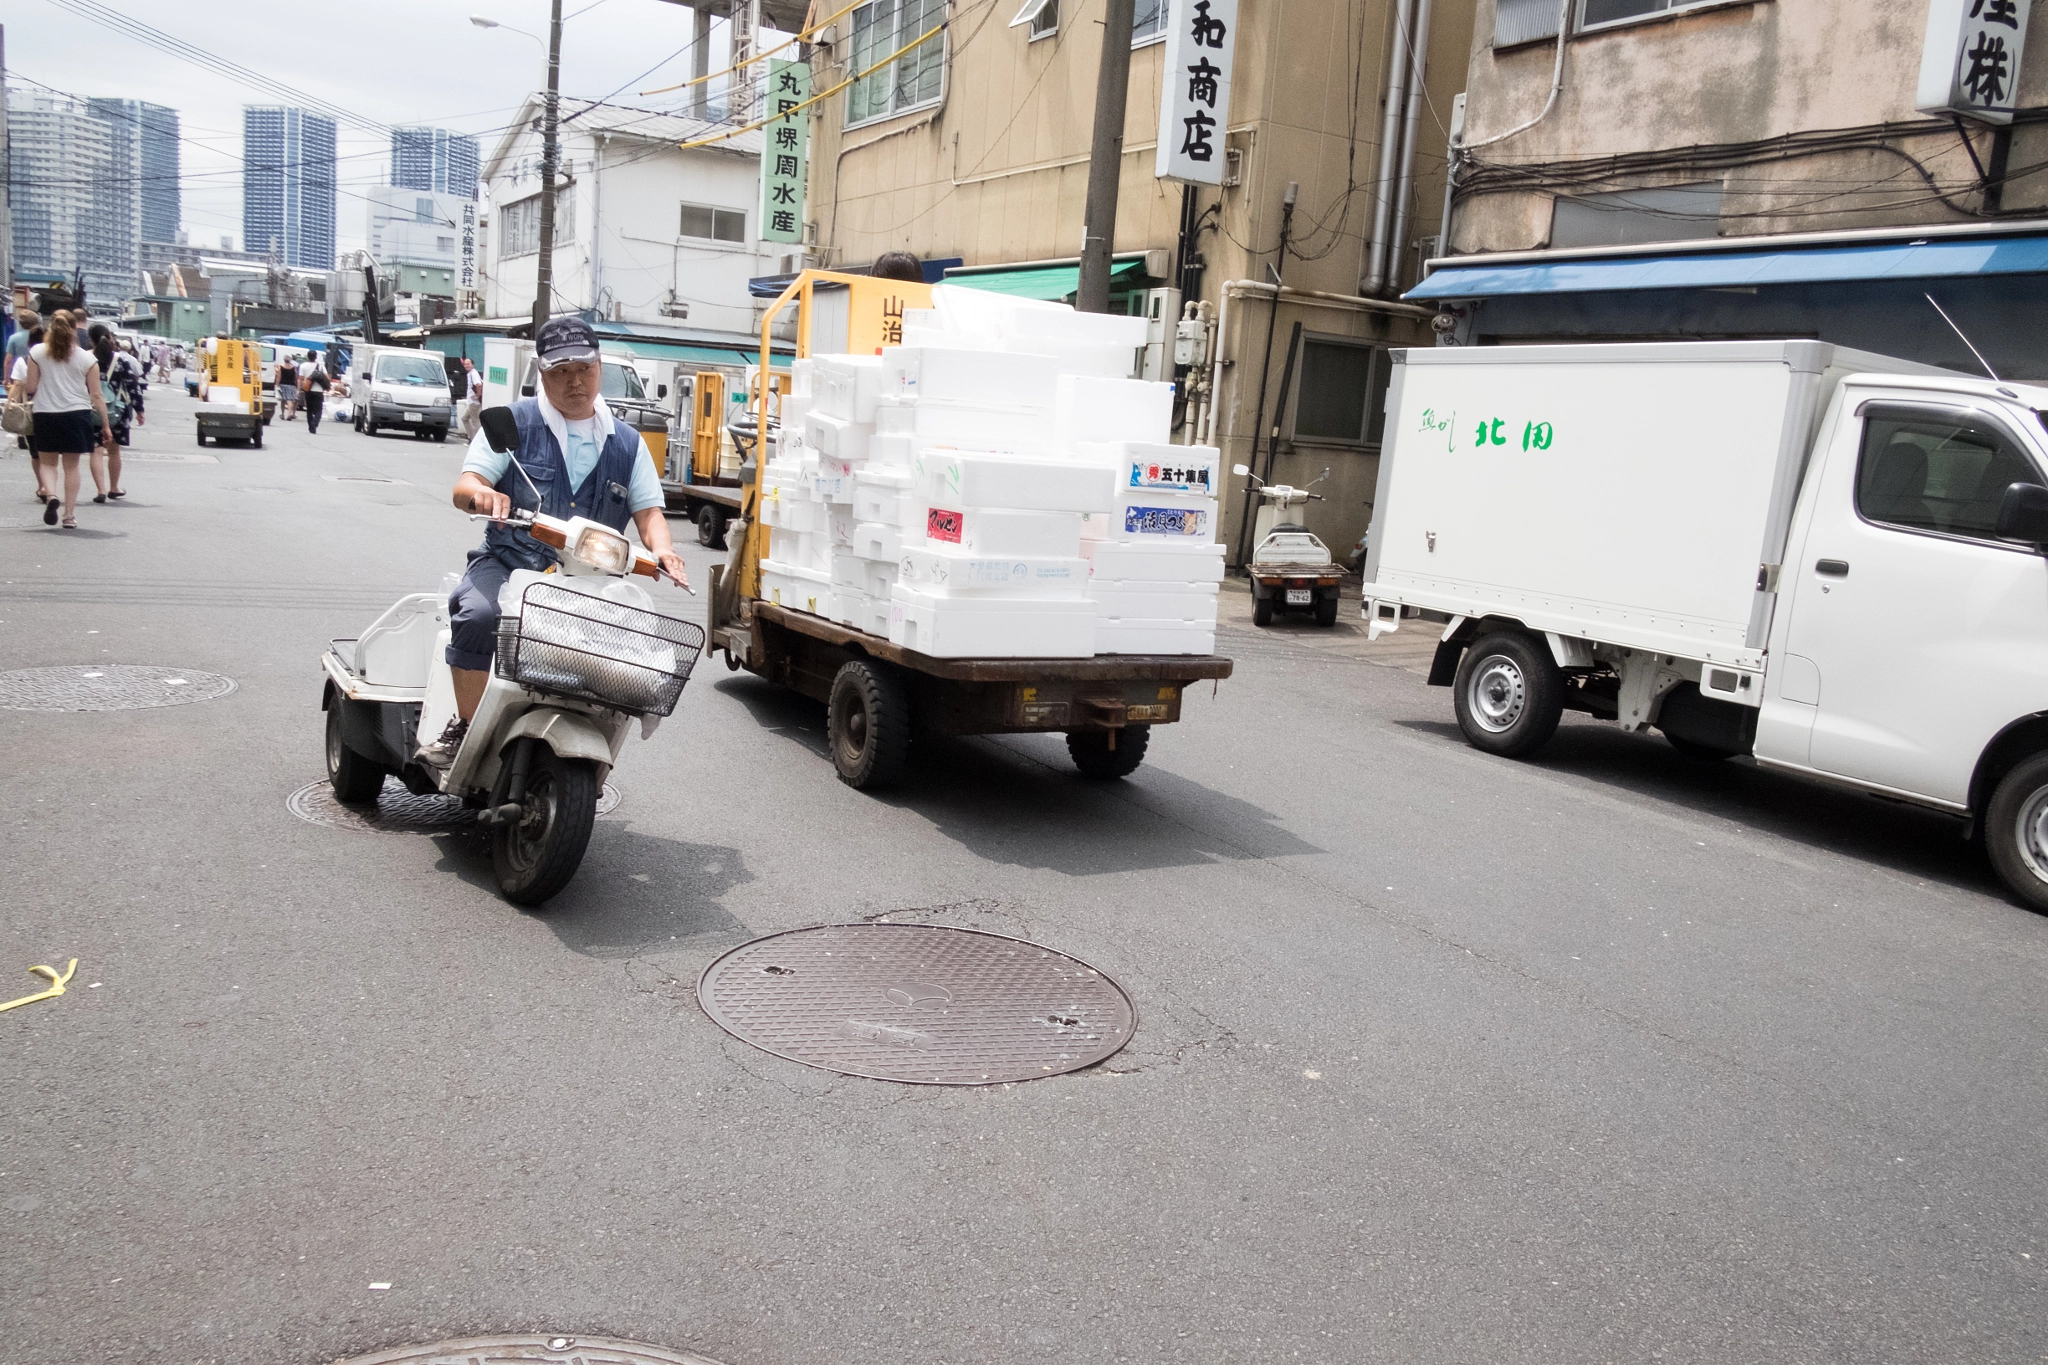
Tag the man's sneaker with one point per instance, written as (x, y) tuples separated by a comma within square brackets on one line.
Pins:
[(442, 751)]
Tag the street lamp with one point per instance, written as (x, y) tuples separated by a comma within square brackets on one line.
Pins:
[(550, 152)]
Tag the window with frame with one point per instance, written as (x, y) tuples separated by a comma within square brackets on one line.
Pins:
[(520, 222), (913, 80), (1931, 469), (719, 225), (1595, 12), (1340, 391), (1148, 23), (1043, 16)]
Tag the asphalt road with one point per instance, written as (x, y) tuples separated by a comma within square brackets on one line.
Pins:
[(1605, 1057)]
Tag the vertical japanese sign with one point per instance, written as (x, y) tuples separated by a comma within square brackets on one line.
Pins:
[(1971, 62), (785, 153), (465, 268), (1194, 101)]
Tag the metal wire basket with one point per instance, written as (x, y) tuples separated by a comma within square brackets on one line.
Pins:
[(575, 645)]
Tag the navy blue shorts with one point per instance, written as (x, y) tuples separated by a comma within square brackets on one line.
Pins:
[(473, 612)]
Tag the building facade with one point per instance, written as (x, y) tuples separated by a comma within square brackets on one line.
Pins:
[(435, 161), (421, 227), (288, 190), (146, 143), (72, 206), (976, 146), (645, 232), (1755, 168)]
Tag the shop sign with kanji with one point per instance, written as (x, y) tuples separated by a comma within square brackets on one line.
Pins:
[(1971, 62), (1194, 100), (785, 152), (465, 270)]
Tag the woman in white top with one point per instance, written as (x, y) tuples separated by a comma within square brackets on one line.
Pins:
[(63, 385)]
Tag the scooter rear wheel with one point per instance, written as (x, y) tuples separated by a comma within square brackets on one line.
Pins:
[(536, 855)]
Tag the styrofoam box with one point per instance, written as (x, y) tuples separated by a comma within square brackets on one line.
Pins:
[(1004, 531), (972, 479), (878, 540), (832, 488), (1156, 560), (1153, 516), (875, 617), (1065, 325), (1080, 358), (849, 571), (790, 411), (846, 385), (977, 426), (799, 589), (800, 378), (1095, 410), (839, 437), (1154, 637), (1159, 468), (1155, 601), (839, 524), (848, 606), (982, 378), (990, 628), (881, 579), (944, 571), (934, 333), (799, 512), (876, 504), (890, 451)]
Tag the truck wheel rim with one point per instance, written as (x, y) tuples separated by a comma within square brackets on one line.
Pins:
[(2032, 833), (333, 743), (1498, 693)]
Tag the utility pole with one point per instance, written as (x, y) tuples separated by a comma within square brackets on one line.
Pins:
[(550, 154), (1105, 158)]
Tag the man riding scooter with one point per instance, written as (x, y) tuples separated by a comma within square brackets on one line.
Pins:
[(572, 460)]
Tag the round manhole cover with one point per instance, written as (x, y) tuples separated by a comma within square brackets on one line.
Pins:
[(398, 811), (531, 1350), (107, 687), (920, 1003)]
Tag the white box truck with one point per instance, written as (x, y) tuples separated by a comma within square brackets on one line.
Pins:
[(1833, 561)]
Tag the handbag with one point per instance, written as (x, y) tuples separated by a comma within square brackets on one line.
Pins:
[(18, 418)]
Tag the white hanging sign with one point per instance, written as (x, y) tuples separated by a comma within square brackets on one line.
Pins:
[(1971, 62), (465, 271), (785, 152), (1194, 99)]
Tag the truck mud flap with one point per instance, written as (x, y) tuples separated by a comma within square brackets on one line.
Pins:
[(1443, 669)]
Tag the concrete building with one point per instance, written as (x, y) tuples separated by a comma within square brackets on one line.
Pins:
[(418, 226), (434, 160), (288, 185), (72, 205), (147, 143), (645, 232), (977, 147), (1754, 168)]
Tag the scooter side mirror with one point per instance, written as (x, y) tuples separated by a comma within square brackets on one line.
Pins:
[(501, 429), (1240, 470)]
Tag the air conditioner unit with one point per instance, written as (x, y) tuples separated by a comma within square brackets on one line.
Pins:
[(673, 307), (1162, 314)]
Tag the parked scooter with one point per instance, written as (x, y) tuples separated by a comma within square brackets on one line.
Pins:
[(581, 653), (1291, 569)]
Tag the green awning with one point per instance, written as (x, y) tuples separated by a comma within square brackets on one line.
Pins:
[(1053, 282), (703, 355)]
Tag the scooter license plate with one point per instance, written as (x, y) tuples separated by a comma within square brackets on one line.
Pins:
[(1299, 597), (412, 417)]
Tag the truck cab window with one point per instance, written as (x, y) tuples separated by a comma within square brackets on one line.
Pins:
[(1933, 471)]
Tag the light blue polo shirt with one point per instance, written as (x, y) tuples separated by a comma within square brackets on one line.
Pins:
[(585, 443)]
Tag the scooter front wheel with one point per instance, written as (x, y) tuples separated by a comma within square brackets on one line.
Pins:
[(536, 855)]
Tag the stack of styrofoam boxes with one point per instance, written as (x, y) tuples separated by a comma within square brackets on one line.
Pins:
[(989, 525), (808, 488)]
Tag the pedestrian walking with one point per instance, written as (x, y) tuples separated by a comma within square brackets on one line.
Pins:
[(287, 387), (123, 390), (473, 403), (314, 395), (27, 320), (63, 384), (17, 391)]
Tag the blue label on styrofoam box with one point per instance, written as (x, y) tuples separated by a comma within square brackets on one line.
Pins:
[(1165, 521)]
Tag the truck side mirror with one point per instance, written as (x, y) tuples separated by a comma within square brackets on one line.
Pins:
[(661, 390), (2023, 514)]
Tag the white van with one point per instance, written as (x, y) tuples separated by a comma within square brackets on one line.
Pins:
[(400, 388), (1832, 561)]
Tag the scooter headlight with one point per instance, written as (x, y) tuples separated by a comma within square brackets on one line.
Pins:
[(602, 550)]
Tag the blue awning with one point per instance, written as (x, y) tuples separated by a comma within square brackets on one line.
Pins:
[(1926, 260)]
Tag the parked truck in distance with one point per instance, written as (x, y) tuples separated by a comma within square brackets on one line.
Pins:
[(1832, 561)]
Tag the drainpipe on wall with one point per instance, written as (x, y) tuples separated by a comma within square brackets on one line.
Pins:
[(1411, 133), (1390, 149)]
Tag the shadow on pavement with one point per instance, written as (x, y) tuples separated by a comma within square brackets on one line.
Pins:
[(634, 895), (1907, 839)]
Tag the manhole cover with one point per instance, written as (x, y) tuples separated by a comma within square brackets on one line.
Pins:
[(556, 1350), (398, 811), (107, 687), (917, 1002)]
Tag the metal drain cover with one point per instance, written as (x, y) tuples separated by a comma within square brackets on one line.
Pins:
[(398, 811), (531, 1350), (920, 1003), (107, 687)]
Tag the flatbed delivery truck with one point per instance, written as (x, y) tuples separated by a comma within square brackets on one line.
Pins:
[(1830, 561)]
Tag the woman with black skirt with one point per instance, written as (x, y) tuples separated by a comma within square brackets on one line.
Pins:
[(63, 384)]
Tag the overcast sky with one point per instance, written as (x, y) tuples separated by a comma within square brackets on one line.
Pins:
[(389, 61)]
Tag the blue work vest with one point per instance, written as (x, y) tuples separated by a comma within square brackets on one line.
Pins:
[(602, 498)]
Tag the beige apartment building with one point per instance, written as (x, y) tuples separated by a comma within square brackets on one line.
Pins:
[(974, 149), (1740, 168)]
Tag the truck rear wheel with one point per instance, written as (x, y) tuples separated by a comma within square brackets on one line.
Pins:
[(1092, 755), (868, 725), (1326, 610), (711, 526), (1509, 694), (355, 779), (2016, 831), (1262, 611)]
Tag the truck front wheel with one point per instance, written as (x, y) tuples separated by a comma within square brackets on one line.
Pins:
[(868, 724), (1509, 695), (2016, 831)]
